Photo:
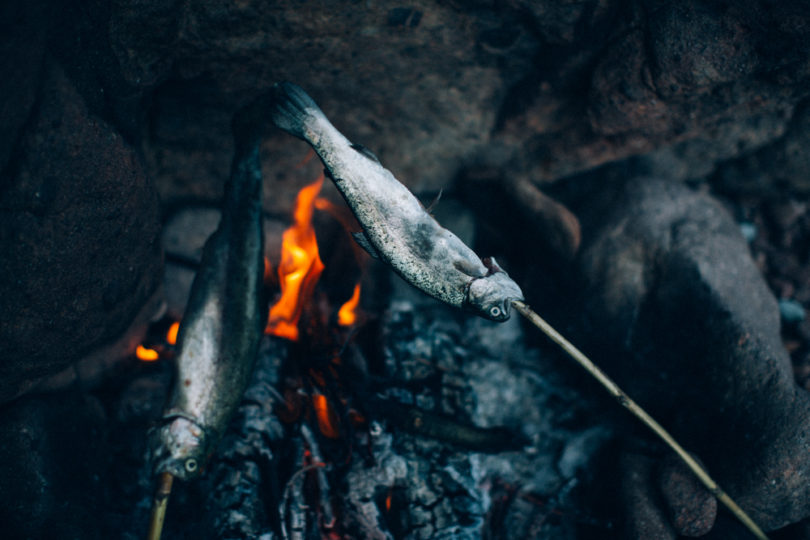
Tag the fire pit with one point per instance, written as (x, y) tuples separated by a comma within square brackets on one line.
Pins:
[(397, 418), (637, 167)]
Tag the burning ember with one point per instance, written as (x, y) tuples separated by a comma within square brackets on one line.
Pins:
[(347, 315), (327, 419), (171, 335), (154, 351), (299, 268), (146, 354)]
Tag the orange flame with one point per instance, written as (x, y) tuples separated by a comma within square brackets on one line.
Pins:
[(147, 355), (327, 420), (171, 335), (347, 314), (299, 268)]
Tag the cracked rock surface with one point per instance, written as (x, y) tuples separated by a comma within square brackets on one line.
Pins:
[(679, 313)]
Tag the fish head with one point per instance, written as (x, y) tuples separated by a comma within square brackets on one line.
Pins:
[(179, 447), (491, 296)]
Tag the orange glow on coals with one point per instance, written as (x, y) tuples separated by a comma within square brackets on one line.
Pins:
[(171, 335), (347, 315), (268, 270), (327, 420), (299, 268), (147, 355)]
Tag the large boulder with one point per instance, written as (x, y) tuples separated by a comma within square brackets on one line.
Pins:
[(677, 311), (79, 234)]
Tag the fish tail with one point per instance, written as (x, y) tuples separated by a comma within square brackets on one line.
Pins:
[(293, 110)]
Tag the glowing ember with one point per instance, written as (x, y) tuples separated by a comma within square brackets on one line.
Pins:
[(268, 270), (325, 205), (388, 503), (171, 335), (299, 268), (347, 315), (327, 420), (147, 355)]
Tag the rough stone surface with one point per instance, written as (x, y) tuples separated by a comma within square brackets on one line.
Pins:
[(780, 165), (692, 509), (644, 516), (22, 51), (687, 325), (539, 88), (49, 466), (79, 233)]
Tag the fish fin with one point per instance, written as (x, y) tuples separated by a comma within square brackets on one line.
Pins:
[(363, 241), (468, 268), (492, 265), (292, 110), (433, 204), (365, 151)]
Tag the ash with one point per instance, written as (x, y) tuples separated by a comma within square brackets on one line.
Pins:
[(468, 433), (477, 374)]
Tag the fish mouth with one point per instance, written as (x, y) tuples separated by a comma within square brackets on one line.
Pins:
[(175, 444), (507, 308)]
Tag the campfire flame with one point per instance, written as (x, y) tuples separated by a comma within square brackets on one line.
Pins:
[(145, 354), (148, 354), (299, 268), (171, 335), (327, 419), (347, 315)]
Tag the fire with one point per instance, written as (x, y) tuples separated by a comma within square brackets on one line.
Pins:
[(147, 355), (171, 335), (347, 315), (299, 268), (327, 420)]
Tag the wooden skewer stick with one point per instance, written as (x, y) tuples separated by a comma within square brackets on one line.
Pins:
[(159, 504), (641, 414)]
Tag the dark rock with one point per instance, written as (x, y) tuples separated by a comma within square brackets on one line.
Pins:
[(22, 50), (774, 167), (359, 69), (622, 99), (546, 89), (153, 28), (688, 327), (644, 516), (79, 236), (696, 44), (50, 466), (550, 219), (691, 74), (692, 509), (540, 88)]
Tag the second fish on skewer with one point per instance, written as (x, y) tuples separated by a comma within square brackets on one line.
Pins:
[(221, 328)]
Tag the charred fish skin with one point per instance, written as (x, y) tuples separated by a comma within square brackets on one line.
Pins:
[(222, 325), (396, 227)]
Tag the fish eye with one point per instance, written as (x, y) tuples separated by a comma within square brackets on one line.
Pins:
[(495, 311), (191, 465)]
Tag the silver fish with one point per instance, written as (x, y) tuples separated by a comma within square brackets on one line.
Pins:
[(396, 227), (220, 332)]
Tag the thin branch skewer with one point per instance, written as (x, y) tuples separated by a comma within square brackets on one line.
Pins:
[(642, 415), (159, 504)]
